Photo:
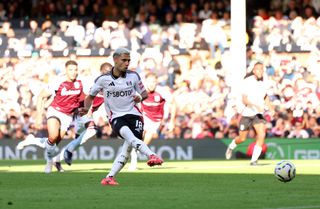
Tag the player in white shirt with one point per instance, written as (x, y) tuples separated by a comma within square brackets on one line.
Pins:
[(254, 97), (122, 90)]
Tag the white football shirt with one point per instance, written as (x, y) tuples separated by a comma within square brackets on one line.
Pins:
[(118, 93), (256, 91)]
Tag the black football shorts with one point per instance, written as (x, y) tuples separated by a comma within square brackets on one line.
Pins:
[(134, 123)]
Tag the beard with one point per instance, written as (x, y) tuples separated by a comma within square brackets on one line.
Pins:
[(259, 79)]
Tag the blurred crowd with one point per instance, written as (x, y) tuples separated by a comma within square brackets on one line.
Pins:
[(185, 43)]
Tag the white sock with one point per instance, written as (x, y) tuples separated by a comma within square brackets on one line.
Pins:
[(233, 144), (50, 150), (85, 136), (121, 160), (59, 157), (256, 153), (136, 143), (134, 158)]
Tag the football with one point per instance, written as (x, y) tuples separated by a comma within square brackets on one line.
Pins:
[(285, 171)]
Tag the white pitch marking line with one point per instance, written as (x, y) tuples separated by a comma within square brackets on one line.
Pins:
[(298, 207)]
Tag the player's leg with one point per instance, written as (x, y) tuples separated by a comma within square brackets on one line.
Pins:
[(130, 128), (59, 156), (148, 135), (134, 160), (136, 143), (139, 145), (150, 130), (58, 124), (134, 154), (260, 130), (40, 142), (244, 124), (118, 164), (57, 160), (238, 140), (86, 133), (54, 136), (32, 140)]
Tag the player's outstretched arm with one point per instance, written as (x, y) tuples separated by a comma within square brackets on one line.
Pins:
[(87, 105)]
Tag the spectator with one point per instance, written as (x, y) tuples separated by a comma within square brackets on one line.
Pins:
[(209, 27), (298, 131), (76, 31), (292, 7), (6, 30), (192, 14), (2, 13), (205, 12), (88, 41), (127, 17), (97, 14), (182, 59), (34, 32)]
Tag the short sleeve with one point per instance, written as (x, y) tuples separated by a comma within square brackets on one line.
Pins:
[(97, 86), (139, 86)]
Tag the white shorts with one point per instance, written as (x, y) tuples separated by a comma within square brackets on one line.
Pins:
[(150, 125), (65, 119), (80, 122)]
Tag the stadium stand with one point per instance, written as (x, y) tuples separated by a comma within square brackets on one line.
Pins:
[(174, 40)]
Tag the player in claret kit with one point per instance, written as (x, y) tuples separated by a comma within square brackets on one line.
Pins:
[(153, 112), (119, 89), (67, 91), (84, 126)]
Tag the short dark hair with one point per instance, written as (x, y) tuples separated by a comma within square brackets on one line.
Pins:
[(105, 65), (258, 63), (71, 62)]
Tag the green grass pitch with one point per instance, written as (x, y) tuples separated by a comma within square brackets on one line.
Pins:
[(187, 184)]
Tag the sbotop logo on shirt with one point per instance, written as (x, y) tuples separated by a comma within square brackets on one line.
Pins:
[(119, 93)]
